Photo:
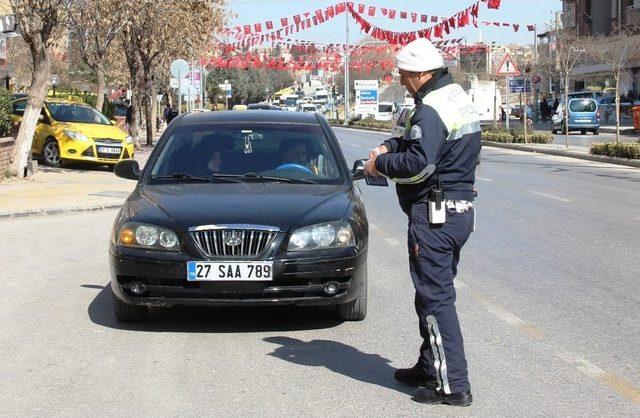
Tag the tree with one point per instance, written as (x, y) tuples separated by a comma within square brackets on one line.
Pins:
[(169, 29), (570, 49), (39, 22), (96, 23), (616, 52)]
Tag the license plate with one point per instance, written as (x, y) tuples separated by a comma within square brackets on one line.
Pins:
[(109, 150), (254, 271)]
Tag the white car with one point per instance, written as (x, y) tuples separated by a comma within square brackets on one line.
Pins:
[(309, 108)]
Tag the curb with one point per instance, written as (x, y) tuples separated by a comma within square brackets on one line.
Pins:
[(56, 211), (560, 153), (626, 131)]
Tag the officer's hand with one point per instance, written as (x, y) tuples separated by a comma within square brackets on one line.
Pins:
[(382, 149), (370, 167)]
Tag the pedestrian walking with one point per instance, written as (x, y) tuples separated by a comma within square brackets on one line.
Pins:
[(544, 109), (169, 113), (433, 166)]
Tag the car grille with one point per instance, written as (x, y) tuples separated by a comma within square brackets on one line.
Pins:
[(250, 242), (108, 140)]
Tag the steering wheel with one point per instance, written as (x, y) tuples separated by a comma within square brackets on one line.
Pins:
[(298, 167)]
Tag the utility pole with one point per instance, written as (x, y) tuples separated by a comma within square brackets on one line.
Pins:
[(534, 69), (346, 67)]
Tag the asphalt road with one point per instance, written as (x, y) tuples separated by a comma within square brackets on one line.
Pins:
[(548, 300)]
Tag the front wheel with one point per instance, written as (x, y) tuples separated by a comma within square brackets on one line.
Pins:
[(356, 310), (583, 132), (596, 131), (128, 313), (51, 153)]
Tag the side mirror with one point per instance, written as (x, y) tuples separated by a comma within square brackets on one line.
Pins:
[(358, 169), (127, 169)]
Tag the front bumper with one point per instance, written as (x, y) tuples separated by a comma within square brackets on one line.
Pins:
[(297, 281), (90, 153)]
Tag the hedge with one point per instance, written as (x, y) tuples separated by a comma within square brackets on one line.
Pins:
[(5, 112), (365, 123), (515, 136), (617, 149)]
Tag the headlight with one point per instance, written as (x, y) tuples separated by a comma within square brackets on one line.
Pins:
[(77, 136), (328, 235), (129, 139), (140, 235)]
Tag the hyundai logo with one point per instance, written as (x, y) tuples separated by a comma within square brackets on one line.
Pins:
[(232, 238)]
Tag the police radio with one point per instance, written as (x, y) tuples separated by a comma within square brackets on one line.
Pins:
[(437, 210)]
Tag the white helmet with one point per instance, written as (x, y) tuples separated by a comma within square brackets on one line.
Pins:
[(418, 56)]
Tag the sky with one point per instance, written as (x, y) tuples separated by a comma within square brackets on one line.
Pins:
[(513, 11)]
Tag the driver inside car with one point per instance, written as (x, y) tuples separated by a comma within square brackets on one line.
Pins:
[(295, 152)]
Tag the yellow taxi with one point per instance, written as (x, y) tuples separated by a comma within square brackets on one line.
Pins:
[(70, 131), (239, 107)]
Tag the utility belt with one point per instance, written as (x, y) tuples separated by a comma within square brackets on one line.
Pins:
[(438, 206)]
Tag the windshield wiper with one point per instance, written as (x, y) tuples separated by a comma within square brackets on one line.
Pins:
[(257, 176), (183, 176)]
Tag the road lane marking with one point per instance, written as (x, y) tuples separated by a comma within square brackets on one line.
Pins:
[(483, 179), (550, 196), (614, 382)]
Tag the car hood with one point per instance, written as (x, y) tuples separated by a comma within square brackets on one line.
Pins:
[(281, 205), (95, 131)]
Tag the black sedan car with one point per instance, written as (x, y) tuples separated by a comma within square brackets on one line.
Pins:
[(241, 208)]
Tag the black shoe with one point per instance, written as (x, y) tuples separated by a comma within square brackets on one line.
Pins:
[(415, 376), (431, 396)]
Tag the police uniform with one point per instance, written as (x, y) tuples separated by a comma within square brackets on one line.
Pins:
[(444, 132)]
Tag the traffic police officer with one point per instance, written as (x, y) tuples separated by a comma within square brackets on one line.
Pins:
[(433, 166)]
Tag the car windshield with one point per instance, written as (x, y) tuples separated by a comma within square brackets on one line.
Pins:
[(291, 101), (582, 106), (248, 152), (70, 112)]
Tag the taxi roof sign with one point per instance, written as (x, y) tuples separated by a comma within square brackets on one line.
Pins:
[(508, 67)]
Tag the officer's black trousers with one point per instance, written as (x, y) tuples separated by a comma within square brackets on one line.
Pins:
[(434, 252)]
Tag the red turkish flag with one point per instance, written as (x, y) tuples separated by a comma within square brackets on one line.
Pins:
[(493, 4), (297, 19), (506, 24), (452, 22), (438, 31), (330, 12), (403, 15), (284, 21), (247, 29), (320, 16), (446, 26), (385, 11), (414, 17), (269, 25), (516, 27), (340, 8), (424, 18), (392, 14), (257, 27), (372, 11), (531, 28), (360, 8), (434, 19)]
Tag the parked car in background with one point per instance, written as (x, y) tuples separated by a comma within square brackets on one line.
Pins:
[(68, 131), (586, 95), (583, 116), (384, 111)]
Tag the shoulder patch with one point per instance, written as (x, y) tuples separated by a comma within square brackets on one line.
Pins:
[(416, 133)]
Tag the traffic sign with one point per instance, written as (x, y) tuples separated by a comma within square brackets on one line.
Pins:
[(508, 67), (518, 85), (179, 68), (173, 83)]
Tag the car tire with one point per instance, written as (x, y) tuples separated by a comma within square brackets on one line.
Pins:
[(554, 131), (356, 310), (128, 313), (596, 131), (51, 153), (583, 132)]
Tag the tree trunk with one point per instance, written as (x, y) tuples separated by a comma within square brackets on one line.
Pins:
[(617, 107), (100, 75), (565, 110), (148, 102), (37, 93)]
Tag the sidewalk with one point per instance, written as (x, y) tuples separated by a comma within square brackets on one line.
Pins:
[(626, 127), (77, 188)]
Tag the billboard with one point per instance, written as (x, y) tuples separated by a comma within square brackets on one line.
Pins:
[(366, 96)]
